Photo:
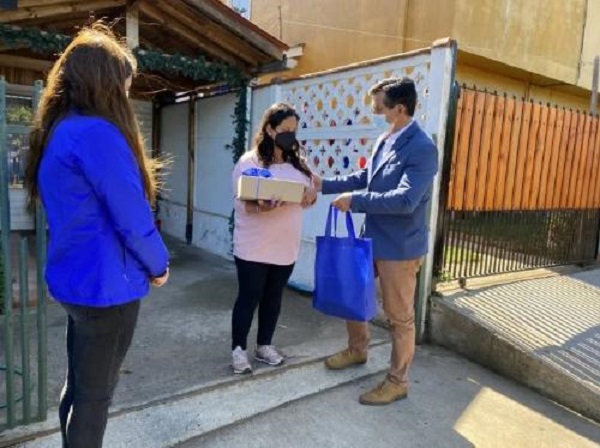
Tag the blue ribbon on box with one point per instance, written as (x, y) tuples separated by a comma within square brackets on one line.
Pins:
[(257, 172)]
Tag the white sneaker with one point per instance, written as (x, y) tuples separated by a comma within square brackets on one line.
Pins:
[(269, 355), (239, 361)]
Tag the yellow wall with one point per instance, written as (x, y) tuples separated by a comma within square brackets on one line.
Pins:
[(591, 43), (543, 37), (491, 81)]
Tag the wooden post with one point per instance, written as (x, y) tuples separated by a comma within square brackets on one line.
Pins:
[(191, 173)]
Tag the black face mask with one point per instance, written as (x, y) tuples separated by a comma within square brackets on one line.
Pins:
[(286, 141)]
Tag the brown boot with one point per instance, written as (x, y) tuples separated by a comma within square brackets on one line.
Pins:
[(344, 359), (385, 393)]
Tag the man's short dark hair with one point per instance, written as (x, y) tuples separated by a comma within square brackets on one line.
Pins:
[(376, 88), (401, 92)]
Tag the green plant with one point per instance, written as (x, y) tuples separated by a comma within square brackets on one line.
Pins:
[(19, 115)]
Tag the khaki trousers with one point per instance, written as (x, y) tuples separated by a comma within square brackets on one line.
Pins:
[(398, 283)]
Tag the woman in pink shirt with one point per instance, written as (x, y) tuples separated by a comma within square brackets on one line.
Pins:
[(266, 239)]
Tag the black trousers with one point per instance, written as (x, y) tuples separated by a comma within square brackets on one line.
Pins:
[(260, 285), (97, 342)]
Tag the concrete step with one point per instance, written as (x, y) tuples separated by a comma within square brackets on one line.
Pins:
[(196, 413), (543, 333)]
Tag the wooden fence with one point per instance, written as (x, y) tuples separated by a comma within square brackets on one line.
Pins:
[(511, 154)]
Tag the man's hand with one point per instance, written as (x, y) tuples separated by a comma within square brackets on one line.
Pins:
[(160, 281), (317, 182), (343, 202), (309, 197)]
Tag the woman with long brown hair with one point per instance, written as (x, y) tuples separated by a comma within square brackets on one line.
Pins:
[(267, 236), (88, 166)]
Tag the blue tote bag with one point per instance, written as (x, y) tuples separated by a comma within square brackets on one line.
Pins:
[(344, 277)]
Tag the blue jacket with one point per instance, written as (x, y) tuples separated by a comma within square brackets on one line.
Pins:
[(396, 196), (103, 244)]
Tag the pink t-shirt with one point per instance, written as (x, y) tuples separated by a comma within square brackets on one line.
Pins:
[(271, 237)]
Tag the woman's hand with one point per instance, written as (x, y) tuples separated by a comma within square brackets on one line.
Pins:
[(267, 206), (309, 197), (160, 281), (262, 206)]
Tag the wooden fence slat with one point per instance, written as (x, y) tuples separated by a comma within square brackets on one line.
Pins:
[(453, 154), (455, 149), (530, 158), (493, 171), (463, 150), (542, 201), (538, 160), (579, 164), (503, 158), (474, 148), (576, 123), (561, 159), (594, 142), (593, 170), (587, 158), (555, 158), (483, 167), (515, 138), (595, 191), (522, 154)]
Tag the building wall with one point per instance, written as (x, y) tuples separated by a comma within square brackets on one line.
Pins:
[(491, 81), (213, 198), (213, 195), (174, 144), (546, 38)]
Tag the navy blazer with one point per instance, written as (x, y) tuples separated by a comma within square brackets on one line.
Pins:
[(396, 197)]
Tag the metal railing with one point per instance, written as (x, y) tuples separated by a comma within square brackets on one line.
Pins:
[(24, 369), (477, 244)]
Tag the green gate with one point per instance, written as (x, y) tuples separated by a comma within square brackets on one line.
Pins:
[(23, 296)]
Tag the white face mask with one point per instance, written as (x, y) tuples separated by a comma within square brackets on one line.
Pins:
[(379, 121)]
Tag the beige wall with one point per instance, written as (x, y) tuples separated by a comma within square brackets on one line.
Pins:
[(492, 81), (543, 37), (591, 43)]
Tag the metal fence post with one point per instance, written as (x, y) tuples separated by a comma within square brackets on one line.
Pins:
[(40, 255), (6, 262)]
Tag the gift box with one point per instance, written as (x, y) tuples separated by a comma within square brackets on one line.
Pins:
[(251, 188)]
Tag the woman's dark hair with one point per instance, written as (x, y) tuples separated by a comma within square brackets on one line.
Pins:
[(265, 145)]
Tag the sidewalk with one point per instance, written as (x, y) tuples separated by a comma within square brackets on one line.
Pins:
[(544, 333), (177, 390), (182, 342), (453, 404)]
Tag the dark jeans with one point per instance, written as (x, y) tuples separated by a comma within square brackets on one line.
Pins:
[(97, 342), (260, 285)]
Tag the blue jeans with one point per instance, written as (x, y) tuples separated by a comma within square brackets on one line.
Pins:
[(97, 342)]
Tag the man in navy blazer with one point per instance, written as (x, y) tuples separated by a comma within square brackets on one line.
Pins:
[(393, 191)]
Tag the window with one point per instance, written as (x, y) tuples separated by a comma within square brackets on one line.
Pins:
[(242, 7)]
